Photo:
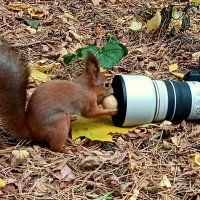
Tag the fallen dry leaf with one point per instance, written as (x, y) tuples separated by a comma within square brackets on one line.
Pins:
[(117, 158), (196, 55), (176, 24), (135, 195), (96, 2), (177, 74), (18, 6), (165, 182), (27, 177), (40, 187), (10, 180), (133, 165), (153, 189), (63, 172), (96, 128), (63, 52), (31, 30), (19, 157), (173, 68), (165, 123), (166, 145), (154, 22), (44, 68), (195, 1), (76, 36), (135, 162), (38, 77), (194, 159), (135, 26), (37, 12), (10, 188), (91, 162), (113, 180), (45, 48), (37, 157), (144, 183), (2, 183), (66, 17), (175, 140)]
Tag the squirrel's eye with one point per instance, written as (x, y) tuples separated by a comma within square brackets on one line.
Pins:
[(107, 84)]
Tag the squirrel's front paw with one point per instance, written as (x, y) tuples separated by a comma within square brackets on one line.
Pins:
[(113, 111)]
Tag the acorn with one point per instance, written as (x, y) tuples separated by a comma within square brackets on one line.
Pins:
[(110, 102)]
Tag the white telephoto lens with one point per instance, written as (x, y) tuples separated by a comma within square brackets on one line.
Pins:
[(139, 100), (162, 101), (142, 100), (195, 90)]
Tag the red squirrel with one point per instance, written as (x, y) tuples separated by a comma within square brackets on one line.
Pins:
[(47, 117)]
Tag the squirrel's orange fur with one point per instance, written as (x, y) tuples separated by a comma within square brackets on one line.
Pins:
[(47, 117)]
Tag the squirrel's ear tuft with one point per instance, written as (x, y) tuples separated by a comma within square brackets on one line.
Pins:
[(92, 65)]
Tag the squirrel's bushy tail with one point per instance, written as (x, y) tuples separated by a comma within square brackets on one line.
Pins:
[(13, 83)]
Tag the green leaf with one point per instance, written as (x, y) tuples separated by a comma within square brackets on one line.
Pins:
[(185, 22), (124, 48), (78, 52), (193, 9), (107, 196), (114, 41), (33, 23), (82, 52), (110, 55), (68, 58), (175, 15), (135, 26)]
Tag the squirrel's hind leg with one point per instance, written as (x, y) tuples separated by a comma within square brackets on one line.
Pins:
[(58, 133)]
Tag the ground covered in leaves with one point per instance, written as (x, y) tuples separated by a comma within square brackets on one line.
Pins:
[(153, 162)]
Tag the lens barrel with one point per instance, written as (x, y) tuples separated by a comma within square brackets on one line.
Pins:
[(142, 100)]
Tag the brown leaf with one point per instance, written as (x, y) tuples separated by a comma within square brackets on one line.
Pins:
[(121, 143), (175, 140), (45, 48), (103, 156), (10, 188), (10, 180), (37, 12), (113, 180), (27, 176), (144, 183), (133, 165), (91, 162), (63, 172), (153, 189), (35, 153), (40, 187), (117, 158)]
